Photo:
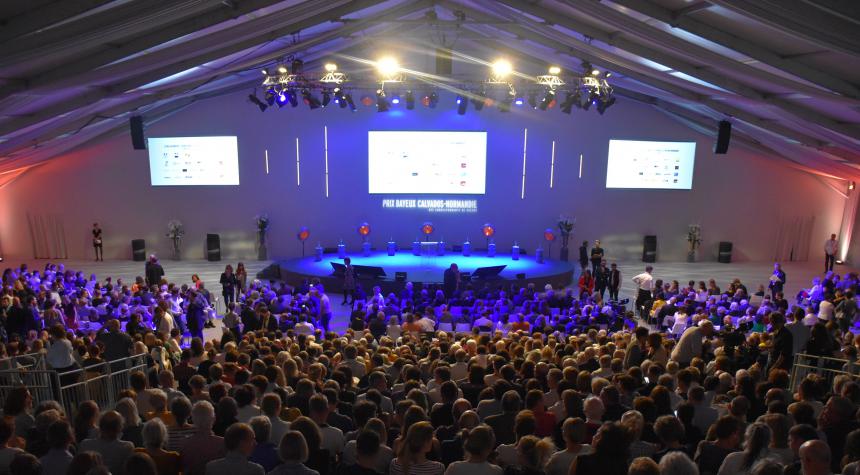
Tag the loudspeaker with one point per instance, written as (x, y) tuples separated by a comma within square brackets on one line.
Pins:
[(724, 135), (649, 249), (725, 254), (138, 250), (135, 125), (400, 276), (213, 247), (443, 62)]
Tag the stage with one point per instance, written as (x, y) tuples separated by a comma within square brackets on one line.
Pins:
[(425, 269)]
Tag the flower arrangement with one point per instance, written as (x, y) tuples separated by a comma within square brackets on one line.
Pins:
[(565, 226), (262, 221), (694, 236), (175, 229)]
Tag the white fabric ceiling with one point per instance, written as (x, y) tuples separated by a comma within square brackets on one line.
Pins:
[(785, 72)]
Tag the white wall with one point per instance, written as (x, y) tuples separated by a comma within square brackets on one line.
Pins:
[(736, 197)]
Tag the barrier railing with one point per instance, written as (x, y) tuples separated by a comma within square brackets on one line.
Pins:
[(823, 366), (100, 382)]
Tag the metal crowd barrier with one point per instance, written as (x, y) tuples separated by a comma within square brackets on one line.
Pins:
[(100, 382), (823, 366)]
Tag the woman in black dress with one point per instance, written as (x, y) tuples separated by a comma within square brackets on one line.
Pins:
[(97, 242), (228, 285)]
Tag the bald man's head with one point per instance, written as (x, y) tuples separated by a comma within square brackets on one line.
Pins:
[(815, 457)]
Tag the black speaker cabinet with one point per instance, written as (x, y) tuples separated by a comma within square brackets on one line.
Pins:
[(649, 249), (138, 250), (213, 247), (444, 62), (725, 254), (135, 125), (724, 136)]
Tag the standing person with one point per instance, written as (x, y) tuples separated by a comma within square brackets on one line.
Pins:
[(583, 255), (614, 281), (451, 280), (348, 282), (241, 277), (601, 279), (830, 247), (228, 285), (325, 308), (153, 271), (195, 313), (97, 242), (782, 344), (777, 280), (644, 286), (597, 254)]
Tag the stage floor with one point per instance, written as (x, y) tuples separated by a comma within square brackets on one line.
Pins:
[(799, 275), (431, 268)]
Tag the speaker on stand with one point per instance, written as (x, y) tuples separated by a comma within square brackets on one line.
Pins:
[(649, 249), (138, 250), (213, 247), (725, 253)]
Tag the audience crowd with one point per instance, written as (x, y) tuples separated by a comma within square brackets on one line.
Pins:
[(491, 380)]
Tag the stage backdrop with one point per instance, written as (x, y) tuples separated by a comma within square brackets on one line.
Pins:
[(741, 197)]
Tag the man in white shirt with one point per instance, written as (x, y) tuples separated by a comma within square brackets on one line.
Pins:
[(644, 287), (690, 344), (830, 247)]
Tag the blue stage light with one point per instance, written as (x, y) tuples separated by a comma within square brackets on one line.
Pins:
[(282, 98), (519, 101), (395, 100), (459, 99)]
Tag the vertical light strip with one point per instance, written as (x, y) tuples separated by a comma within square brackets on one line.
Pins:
[(267, 162), (552, 164), (298, 171), (525, 143), (580, 165), (325, 149)]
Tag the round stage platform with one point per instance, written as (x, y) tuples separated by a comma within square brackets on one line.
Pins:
[(424, 269)]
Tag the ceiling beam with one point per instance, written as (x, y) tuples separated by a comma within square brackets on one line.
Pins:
[(692, 8), (109, 24), (72, 122), (756, 51), (116, 51), (117, 89), (707, 62), (703, 73), (44, 16), (798, 18)]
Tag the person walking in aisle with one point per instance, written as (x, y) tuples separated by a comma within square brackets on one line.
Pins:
[(153, 271), (228, 285), (348, 282), (644, 287), (830, 247)]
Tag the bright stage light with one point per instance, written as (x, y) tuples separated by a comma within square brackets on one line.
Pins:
[(395, 100), (462, 105), (265, 71), (554, 70), (387, 66), (518, 101), (502, 68), (382, 104), (410, 100), (282, 69), (331, 67), (595, 72)]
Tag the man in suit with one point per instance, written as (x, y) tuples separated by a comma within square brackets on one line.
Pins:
[(601, 278), (777, 280), (153, 271), (614, 281)]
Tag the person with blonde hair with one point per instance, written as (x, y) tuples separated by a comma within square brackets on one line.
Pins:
[(532, 455), (154, 440), (412, 454)]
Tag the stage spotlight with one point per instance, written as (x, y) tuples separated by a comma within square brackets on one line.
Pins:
[(547, 100), (309, 99), (297, 66), (505, 104), (518, 101), (567, 104), (282, 69), (294, 99), (410, 100), (348, 99), (254, 100), (595, 72), (331, 67), (382, 104), (339, 99), (554, 70), (270, 96), (462, 105), (430, 100), (395, 99), (603, 105), (326, 98), (479, 101), (387, 66), (265, 71), (533, 99), (282, 98), (502, 68)]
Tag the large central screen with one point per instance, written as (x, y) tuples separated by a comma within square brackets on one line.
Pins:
[(642, 164), (193, 161), (401, 162)]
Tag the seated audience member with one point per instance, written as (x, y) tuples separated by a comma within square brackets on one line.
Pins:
[(293, 451), (60, 439), (239, 444), (203, 446), (108, 445), (154, 441)]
